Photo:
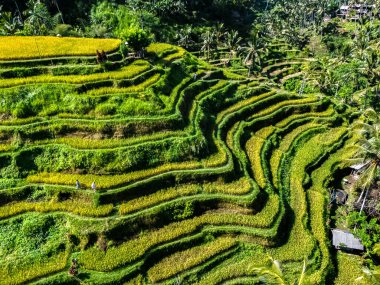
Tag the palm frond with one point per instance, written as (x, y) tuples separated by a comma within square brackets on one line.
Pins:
[(371, 115), (302, 277)]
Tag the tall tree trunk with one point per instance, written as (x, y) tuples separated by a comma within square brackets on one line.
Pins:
[(59, 11), (18, 10), (365, 198), (360, 197)]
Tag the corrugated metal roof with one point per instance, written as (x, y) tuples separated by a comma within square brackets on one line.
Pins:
[(359, 165), (346, 239)]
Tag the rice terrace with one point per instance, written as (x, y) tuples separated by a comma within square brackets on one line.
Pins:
[(172, 165)]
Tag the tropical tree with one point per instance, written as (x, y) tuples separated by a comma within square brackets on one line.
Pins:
[(185, 36), (322, 71), (162, 8), (167, 8), (254, 52), (104, 19), (38, 21), (361, 42), (232, 43), (252, 56), (372, 61), (136, 38), (219, 33), (367, 154), (274, 272), (55, 2), (372, 276), (9, 24), (208, 44), (368, 231)]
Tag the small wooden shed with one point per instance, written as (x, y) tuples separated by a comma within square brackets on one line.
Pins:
[(338, 196), (345, 240)]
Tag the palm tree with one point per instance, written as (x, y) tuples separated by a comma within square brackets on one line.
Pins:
[(9, 23), (274, 272), (38, 20), (254, 52), (232, 42), (323, 72), (252, 56), (367, 153), (372, 61), (219, 33), (55, 2), (184, 36), (178, 281), (208, 43), (369, 275), (361, 42)]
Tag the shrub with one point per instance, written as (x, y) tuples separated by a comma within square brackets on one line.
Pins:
[(23, 110), (136, 38), (105, 109), (64, 30)]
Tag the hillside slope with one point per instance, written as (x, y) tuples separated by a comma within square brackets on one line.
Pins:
[(200, 174)]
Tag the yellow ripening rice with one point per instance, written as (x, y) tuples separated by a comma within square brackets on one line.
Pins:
[(13, 48)]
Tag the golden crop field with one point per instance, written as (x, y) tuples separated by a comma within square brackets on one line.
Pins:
[(18, 47)]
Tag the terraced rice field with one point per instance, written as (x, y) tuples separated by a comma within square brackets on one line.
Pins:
[(37, 47), (198, 180)]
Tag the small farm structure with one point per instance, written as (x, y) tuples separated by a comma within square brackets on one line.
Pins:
[(345, 240), (355, 11), (339, 197)]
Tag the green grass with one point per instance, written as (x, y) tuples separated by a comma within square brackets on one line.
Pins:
[(350, 269)]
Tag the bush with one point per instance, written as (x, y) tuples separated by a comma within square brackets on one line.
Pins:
[(106, 109), (136, 38), (23, 110), (64, 30)]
